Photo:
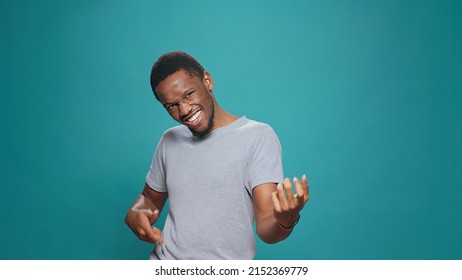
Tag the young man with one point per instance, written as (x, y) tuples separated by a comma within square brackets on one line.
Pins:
[(220, 173)]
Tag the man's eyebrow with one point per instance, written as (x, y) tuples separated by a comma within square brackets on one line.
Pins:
[(189, 90)]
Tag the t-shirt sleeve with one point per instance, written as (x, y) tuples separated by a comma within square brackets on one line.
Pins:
[(156, 174), (265, 163)]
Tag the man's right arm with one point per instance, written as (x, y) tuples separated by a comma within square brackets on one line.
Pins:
[(144, 212)]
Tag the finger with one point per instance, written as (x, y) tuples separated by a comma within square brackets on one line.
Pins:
[(151, 235), (289, 193), (276, 204), (298, 197), (299, 188), (157, 235), (306, 187), (281, 197)]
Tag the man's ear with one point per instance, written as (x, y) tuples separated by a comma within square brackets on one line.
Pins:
[(208, 81)]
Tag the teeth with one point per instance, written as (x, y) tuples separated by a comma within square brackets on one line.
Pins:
[(194, 117)]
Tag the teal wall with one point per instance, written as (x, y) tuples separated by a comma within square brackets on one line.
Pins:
[(364, 95)]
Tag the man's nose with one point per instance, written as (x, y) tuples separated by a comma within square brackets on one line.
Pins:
[(184, 108)]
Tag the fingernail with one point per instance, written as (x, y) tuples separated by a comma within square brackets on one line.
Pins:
[(295, 179), (304, 177)]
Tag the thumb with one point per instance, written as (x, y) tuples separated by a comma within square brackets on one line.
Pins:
[(153, 217)]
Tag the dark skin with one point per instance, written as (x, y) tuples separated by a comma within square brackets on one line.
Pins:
[(189, 100)]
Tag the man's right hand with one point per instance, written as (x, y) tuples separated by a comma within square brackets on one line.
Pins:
[(140, 222), (145, 212)]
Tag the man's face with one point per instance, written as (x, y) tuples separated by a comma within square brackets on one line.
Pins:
[(188, 99)]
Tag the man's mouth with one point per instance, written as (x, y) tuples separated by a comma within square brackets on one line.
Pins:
[(194, 117)]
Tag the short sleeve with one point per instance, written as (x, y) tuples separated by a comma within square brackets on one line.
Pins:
[(156, 174), (265, 162)]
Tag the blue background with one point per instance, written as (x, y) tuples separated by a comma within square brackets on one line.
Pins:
[(364, 95)]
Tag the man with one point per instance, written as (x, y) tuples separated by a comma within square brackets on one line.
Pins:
[(220, 173)]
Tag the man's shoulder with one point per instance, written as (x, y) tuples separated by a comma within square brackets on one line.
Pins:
[(175, 133), (257, 126)]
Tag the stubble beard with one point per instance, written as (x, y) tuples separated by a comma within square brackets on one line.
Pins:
[(209, 124)]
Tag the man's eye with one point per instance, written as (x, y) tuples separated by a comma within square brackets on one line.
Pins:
[(170, 107), (189, 95)]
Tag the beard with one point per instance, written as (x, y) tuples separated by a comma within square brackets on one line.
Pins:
[(209, 127)]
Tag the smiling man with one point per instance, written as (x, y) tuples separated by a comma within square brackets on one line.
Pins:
[(221, 173)]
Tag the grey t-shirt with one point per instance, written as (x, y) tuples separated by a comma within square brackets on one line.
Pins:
[(209, 182)]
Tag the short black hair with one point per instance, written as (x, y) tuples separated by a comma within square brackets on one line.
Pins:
[(171, 62)]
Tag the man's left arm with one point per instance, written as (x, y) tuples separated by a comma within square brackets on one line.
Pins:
[(277, 208)]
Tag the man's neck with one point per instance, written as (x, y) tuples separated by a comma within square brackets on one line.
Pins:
[(222, 118)]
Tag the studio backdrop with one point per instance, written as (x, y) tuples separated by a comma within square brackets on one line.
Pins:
[(365, 97)]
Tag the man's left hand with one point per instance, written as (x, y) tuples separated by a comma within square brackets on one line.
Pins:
[(288, 205)]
